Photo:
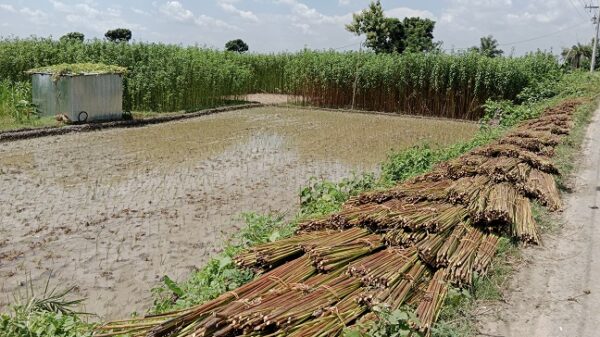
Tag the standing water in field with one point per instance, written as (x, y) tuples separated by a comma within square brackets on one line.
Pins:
[(114, 211)]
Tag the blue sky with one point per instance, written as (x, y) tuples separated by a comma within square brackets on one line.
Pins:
[(276, 25)]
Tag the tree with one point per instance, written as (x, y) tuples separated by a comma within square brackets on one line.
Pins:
[(419, 35), (118, 35), (238, 46), (73, 37), (387, 35), (488, 47), (578, 56)]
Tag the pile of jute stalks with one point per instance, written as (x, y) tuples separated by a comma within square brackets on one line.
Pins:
[(403, 246)]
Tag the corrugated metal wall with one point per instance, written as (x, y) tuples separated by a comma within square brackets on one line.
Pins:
[(99, 96)]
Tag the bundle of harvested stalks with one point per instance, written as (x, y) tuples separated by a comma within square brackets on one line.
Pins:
[(460, 264), (463, 190), (267, 255), (465, 166), (419, 191), (542, 186), (531, 158), (429, 247), (450, 245), (524, 226), (332, 257), (402, 238), (500, 205), (519, 174), (531, 144), (383, 268), (179, 323), (485, 253), (332, 320), (544, 138), (400, 291), (429, 308)]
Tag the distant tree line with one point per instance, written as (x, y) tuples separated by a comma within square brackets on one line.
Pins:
[(114, 35)]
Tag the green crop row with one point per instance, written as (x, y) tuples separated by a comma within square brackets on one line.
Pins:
[(164, 77)]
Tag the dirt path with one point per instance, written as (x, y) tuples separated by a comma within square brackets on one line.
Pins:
[(557, 291), (114, 211)]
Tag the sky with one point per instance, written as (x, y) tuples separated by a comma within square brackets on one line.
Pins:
[(289, 25)]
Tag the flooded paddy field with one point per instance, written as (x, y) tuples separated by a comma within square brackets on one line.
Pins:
[(113, 211)]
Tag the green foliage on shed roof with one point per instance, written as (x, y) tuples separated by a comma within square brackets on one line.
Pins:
[(77, 69)]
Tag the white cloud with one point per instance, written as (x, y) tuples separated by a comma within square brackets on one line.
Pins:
[(309, 20), (537, 22), (140, 11), (405, 12), (302, 11), (230, 8), (87, 15), (34, 15), (8, 8), (174, 10)]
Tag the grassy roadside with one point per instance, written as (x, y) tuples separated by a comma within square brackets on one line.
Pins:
[(322, 197), (461, 309)]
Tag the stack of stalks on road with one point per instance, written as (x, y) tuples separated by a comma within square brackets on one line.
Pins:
[(403, 246)]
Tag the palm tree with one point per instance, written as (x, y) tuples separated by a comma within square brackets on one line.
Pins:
[(578, 55)]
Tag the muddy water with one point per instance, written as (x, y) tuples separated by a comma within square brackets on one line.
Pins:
[(113, 211)]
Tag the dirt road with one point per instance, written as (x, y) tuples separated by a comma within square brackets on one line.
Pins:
[(114, 211), (557, 292)]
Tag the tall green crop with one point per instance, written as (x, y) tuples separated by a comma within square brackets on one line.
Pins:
[(165, 77)]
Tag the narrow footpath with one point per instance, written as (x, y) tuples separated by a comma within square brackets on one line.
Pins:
[(557, 290)]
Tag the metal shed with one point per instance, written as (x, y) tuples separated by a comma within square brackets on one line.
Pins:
[(83, 97)]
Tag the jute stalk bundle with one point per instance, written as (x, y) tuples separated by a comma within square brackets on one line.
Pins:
[(460, 264), (429, 308), (556, 130), (485, 253), (332, 257), (413, 192), (519, 174), (402, 238), (293, 307), (463, 190), (542, 186), (500, 204), (450, 245), (524, 226), (465, 166), (383, 268), (400, 291), (533, 159), (545, 138), (331, 321), (529, 144), (267, 255), (498, 168), (429, 247)]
